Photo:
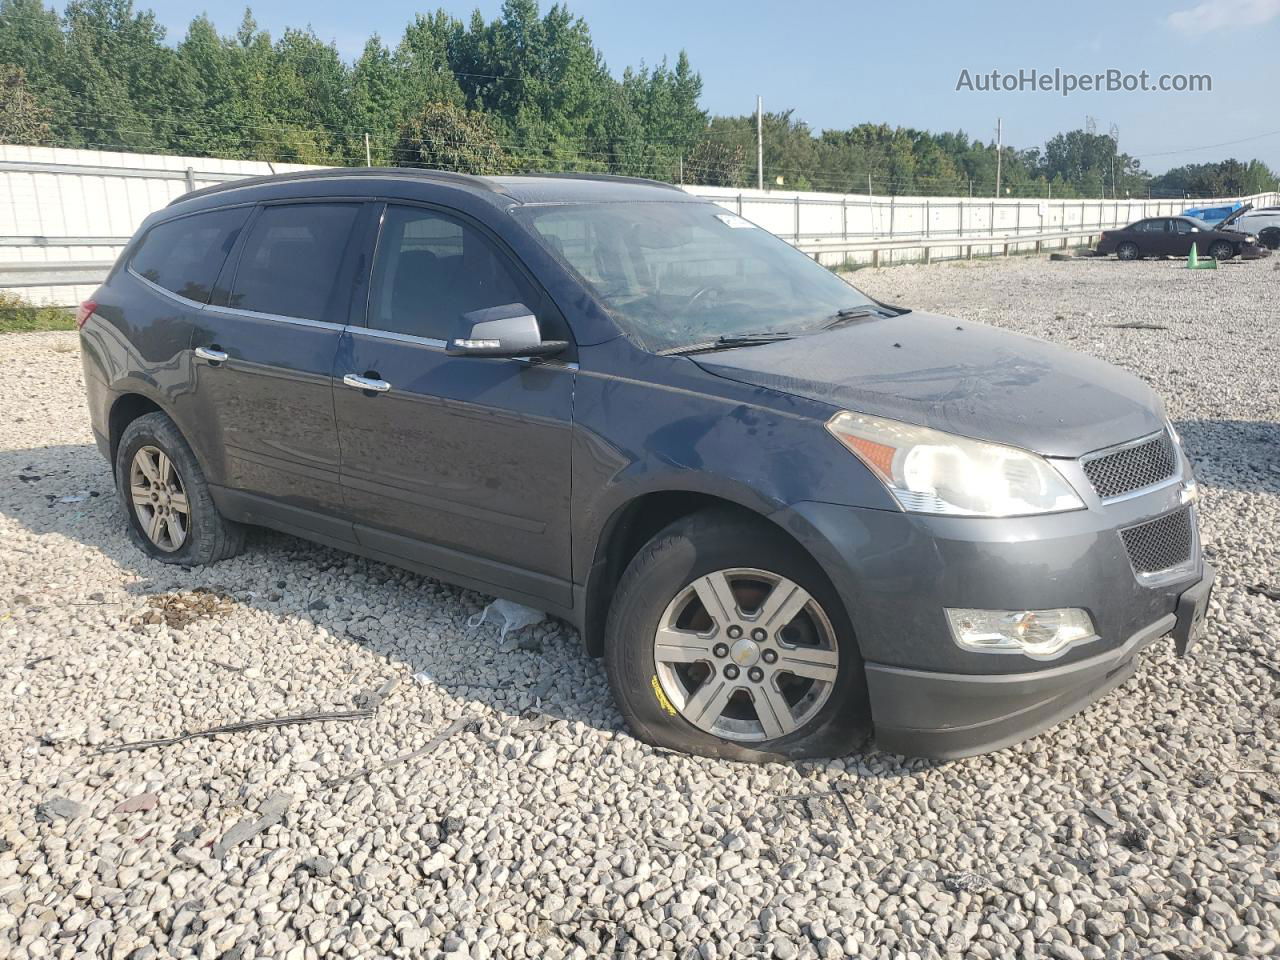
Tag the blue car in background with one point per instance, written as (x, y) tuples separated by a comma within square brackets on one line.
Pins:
[(1212, 215)]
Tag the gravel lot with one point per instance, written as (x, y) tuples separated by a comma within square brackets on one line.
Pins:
[(536, 826)]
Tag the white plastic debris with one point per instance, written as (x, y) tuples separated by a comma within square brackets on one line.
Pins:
[(513, 616)]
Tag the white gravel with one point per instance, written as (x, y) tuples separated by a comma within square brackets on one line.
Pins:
[(1148, 825)]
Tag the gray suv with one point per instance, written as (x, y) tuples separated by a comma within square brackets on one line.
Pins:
[(785, 513)]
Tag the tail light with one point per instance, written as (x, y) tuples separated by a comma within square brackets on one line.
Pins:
[(84, 312)]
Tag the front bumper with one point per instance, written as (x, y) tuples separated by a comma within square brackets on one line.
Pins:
[(898, 572), (947, 715)]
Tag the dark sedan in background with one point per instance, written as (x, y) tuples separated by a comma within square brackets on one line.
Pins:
[(1174, 237)]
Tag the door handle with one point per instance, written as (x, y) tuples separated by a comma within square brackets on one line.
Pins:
[(366, 383), (212, 354)]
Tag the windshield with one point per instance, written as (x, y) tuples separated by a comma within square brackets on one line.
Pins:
[(1197, 222), (677, 274)]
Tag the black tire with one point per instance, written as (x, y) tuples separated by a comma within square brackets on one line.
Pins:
[(691, 548), (1127, 251), (209, 537), (1222, 250), (1270, 238)]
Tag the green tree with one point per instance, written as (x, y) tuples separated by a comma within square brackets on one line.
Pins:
[(23, 119), (445, 136)]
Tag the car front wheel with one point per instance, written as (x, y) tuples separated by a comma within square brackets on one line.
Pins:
[(1221, 250), (725, 639), (1127, 251), (171, 514)]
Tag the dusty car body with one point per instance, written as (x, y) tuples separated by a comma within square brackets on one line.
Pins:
[(784, 513)]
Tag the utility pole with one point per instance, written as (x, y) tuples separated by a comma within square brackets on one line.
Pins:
[(999, 136), (760, 142), (868, 184), (368, 157)]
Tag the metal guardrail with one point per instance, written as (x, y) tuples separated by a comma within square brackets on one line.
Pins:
[(1005, 241), (95, 271), (63, 241), (55, 273), (150, 173)]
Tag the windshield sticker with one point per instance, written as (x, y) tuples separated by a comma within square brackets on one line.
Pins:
[(734, 221)]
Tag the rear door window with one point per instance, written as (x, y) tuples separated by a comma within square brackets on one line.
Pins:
[(289, 263), (432, 268), (185, 255)]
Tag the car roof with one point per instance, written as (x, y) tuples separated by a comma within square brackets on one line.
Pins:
[(533, 188)]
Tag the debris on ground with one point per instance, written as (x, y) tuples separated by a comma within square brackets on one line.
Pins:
[(59, 808), (241, 727), (457, 726), (508, 615), (1262, 590), (317, 866), (965, 882), (269, 814), (177, 610), (137, 804)]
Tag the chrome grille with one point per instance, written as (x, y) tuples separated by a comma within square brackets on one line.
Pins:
[(1132, 467), (1160, 543)]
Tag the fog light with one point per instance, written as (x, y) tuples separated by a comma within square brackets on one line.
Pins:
[(1039, 634)]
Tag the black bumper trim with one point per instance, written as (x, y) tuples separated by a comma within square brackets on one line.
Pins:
[(947, 715)]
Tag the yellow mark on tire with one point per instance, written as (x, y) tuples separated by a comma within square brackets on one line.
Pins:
[(662, 697)]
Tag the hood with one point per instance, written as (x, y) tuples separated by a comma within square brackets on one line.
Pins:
[(964, 378)]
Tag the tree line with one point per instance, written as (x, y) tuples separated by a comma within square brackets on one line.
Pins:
[(526, 91)]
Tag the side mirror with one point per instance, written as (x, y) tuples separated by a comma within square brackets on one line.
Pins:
[(1195, 229), (510, 330)]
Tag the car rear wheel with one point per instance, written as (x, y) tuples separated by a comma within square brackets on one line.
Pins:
[(1221, 250), (1127, 251), (725, 639), (171, 514)]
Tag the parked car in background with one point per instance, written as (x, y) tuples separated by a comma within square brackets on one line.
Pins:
[(1212, 214), (1262, 222), (782, 511), (1174, 237)]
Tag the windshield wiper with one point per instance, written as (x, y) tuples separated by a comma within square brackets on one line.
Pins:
[(848, 315), (725, 343)]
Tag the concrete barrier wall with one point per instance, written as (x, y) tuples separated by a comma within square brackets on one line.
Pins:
[(61, 206)]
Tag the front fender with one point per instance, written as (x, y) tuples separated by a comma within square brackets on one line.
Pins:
[(669, 426)]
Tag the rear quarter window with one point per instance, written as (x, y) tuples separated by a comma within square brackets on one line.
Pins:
[(185, 255)]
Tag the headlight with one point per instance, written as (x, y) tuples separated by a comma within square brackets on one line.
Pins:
[(929, 471)]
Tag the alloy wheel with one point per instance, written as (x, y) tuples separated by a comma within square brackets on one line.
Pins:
[(159, 499), (746, 655)]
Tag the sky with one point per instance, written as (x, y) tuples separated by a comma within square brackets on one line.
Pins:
[(838, 63)]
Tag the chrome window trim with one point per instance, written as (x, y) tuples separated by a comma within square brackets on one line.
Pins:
[(1174, 478), (193, 304), (400, 337), (278, 317)]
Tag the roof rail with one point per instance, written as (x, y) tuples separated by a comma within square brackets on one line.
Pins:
[(442, 176), (607, 177)]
